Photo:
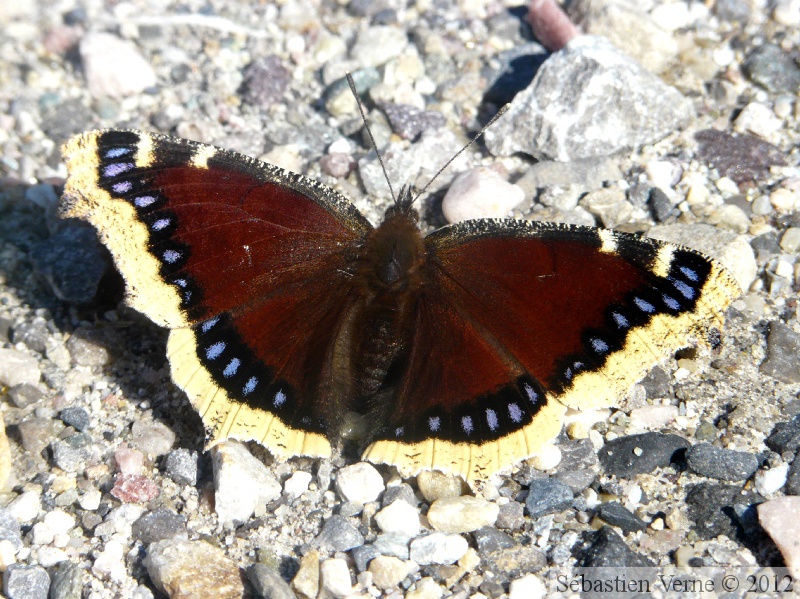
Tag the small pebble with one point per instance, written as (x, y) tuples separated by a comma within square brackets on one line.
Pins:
[(529, 586), (769, 481), (387, 572), (462, 514), (241, 482), (181, 466), (297, 483), (26, 582), (399, 516), (359, 482), (438, 548), (334, 578), (547, 496), (480, 193)]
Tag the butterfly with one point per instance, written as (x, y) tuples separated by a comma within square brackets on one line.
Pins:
[(287, 308)]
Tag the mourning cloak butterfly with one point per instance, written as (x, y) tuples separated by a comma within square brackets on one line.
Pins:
[(287, 308)]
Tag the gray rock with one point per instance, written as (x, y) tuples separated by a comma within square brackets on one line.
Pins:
[(71, 454), (152, 437), (793, 478), (783, 354), (32, 334), (338, 534), (26, 582), (717, 509), (392, 543), (10, 529), (785, 436), (577, 480), (637, 454), (587, 100), (511, 516), (158, 525), (618, 515), (181, 466), (733, 11), (723, 464), (72, 262), (608, 550), (88, 347), (25, 395), (773, 69), (67, 581), (402, 491), (438, 548), (268, 583), (488, 540), (76, 417), (547, 496), (585, 175)]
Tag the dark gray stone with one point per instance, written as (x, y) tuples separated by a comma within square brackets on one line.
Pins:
[(547, 496), (660, 205), (181, 466), (32, 334), (637, 454), (67, 581), (488, 540), (793, 478), (25, 395), (338, 534), (609, 554), (76, 417), (26, 582), (158, 525), (268, 583), (783, 354), (402, 491), (723, 464), (72, 262), (773, 69), (618, 515), (785, 436), (716, 509)]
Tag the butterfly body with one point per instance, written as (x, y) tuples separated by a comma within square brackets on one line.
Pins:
[(286, 307)]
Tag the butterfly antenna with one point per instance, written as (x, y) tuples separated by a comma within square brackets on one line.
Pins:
[(500, 113), (371, 138)]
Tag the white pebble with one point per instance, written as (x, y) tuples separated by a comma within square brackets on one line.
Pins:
[(549, 457), (757, 119), (769, 481), (359, 482), (529, 586), (26, 507), (480, 193), (399, 516), (297, 484)]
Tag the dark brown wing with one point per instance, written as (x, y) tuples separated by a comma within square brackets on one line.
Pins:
[(518, 320), (247, 263)]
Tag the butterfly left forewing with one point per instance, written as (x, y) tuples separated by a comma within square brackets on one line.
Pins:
[(576, 313), (247, 263)]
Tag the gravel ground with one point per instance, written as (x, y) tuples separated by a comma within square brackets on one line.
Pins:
[(110, 492)]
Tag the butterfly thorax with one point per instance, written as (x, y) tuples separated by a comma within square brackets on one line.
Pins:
[(390, 277)]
